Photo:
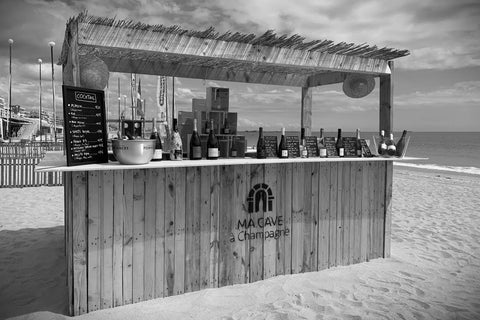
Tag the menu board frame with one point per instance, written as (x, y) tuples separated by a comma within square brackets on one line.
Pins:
[(72, 99)]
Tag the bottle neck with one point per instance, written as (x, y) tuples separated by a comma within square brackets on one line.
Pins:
[(195, 125), (339, 133)]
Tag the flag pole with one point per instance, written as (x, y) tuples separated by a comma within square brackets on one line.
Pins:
[(9, 120), (52, 44), (40, 97)]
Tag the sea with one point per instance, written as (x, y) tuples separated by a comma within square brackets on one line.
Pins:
[(446, 151)]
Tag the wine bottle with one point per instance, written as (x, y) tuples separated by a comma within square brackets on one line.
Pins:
[(401, 144), (212, 144), (261, 149), (391, 148), (339, 145), (233, 150), (322, 149), (303, 144), (195, 143), (382, 145), (358, 145), (177, 148), (226, 126), (157, 154), (282, 147)]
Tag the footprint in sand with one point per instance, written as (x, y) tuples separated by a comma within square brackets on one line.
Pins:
[(421, 303)]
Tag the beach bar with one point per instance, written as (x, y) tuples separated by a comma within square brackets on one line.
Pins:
[(139, 232)]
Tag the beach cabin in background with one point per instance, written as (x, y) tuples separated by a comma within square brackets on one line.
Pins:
[(173, 227)]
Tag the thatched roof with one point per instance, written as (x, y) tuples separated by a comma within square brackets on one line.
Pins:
[(128, 46)]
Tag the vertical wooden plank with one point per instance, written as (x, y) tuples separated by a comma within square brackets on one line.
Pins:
[(118, 217), (68, 211), (95, 205), (205, 214), (179, 281), (138, 247), (240, 245), (298, 190), (357, 187), (346, 213), (307, 219), (160, 213), (128, 237), (365, 212), (106, 255), (256, 212), (388, 209), (226, 256), (332, 249), (79, 242), (192, 229), (288, 218), (381, 208), (315, 216), (150, 225), (324, 215), (372, 208), (214, 225), (340, 218), (170, 231), (269, 222), (280, 198), (386, 101)]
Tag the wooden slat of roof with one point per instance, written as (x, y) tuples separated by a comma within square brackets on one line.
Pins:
[(126, 46)]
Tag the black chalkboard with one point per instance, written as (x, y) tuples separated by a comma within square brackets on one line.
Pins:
[(293, 146), (312, 146), (350, 144), (366, 150), (330, 145), (271, 146), (85, 125)]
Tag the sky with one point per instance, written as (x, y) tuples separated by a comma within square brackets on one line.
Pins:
[(436, 87)]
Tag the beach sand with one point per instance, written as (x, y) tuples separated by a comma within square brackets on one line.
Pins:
[(433, 272)]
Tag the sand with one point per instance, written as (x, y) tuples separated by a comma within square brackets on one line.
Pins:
[(433, 273)]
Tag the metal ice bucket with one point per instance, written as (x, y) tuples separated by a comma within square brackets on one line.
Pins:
[(139, 151)]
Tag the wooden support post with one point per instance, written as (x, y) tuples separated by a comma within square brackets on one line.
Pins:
[(386, 101), (71, 70), (306, 113)]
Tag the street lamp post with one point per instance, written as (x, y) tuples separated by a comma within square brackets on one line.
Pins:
[(9, 130), (52, 44), (40, 98)]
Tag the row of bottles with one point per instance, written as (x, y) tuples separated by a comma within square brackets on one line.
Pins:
[(387, 146)]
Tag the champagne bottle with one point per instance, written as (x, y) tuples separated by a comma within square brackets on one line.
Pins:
[(177, 148), (358, 145), (303, 144), (391, 148), (195, 143), (339, 145), (157, 154), (401, 144), (212, 144), (382, 146), (233, 150), (282, 147), (226, 126), (261, 149), (322, 149)]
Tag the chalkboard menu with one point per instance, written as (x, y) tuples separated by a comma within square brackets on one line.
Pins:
[(293, 146), (271, 146), (330, 145), (312, 146), (366, 150), (350, 144), (85, 126)]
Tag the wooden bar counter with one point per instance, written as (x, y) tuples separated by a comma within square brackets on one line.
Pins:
[(138, 232)]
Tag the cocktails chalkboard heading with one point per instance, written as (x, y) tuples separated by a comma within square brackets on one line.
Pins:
[(85, 126)]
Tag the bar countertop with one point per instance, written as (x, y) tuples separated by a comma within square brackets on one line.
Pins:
[(56, 162)]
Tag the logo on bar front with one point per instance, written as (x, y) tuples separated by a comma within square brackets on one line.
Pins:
[(259, 198)]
